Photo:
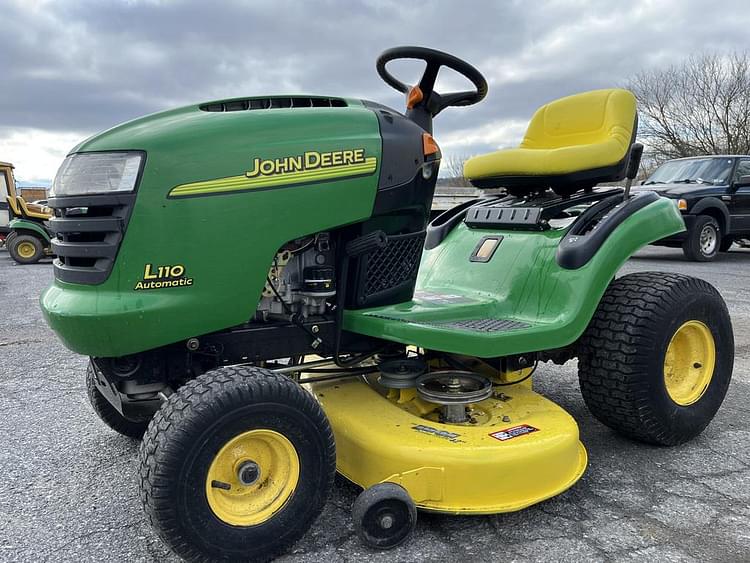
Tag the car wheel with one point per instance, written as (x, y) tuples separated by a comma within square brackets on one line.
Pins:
[(704, 240)]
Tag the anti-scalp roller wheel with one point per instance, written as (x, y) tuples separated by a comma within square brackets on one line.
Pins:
[(384, 516)]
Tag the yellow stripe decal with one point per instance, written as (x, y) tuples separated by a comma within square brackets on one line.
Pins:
[(240, 183)]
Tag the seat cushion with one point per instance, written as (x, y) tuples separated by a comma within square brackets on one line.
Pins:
[(543, 162), (585, 132)]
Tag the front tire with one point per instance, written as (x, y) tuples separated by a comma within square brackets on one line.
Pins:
[(656, 359), (236, 465), (703, 240), (26, 249)]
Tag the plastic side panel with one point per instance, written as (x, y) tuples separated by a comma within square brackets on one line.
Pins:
[(224, 243), (522, 282)]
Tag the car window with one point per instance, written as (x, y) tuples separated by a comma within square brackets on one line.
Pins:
[(704, 170), (743, 169)]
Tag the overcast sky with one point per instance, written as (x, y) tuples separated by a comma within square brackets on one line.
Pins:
[(70, 69)]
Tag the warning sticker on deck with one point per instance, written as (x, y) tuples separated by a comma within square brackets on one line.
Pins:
[(513, 432)]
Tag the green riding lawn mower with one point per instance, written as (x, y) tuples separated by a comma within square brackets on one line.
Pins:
[(323, 324), (23, 226)]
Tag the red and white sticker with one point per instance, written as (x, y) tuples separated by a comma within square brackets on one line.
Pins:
[(513, 432)]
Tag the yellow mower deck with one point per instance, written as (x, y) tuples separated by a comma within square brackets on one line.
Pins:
[(521, 449)]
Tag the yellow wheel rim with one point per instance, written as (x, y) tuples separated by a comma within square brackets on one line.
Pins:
[(26, 249), (689, 363), (252, 477)]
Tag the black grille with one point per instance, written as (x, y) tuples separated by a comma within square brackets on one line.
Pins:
[(88, 232), (389, 273), (394, 264), (274, 103)]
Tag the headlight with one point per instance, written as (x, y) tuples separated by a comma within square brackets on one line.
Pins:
[(682, 205), (97, 173)]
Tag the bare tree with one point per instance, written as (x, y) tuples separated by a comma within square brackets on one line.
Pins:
[(453, 169), (701, 106)]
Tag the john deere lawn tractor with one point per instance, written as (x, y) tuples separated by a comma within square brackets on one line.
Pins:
[(265, 302), (23, 227)]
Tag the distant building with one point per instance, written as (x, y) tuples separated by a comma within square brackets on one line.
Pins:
[(33, 194)]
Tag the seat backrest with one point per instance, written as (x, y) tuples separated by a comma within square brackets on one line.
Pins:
[(13, 204), (582, 119), (31, 211)]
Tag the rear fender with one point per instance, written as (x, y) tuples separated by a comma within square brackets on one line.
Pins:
[(20, 225), (523, 282), (581, 242)]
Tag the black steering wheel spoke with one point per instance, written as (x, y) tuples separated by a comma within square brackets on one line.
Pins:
[(432, 102), (427, 82), (458, 98)]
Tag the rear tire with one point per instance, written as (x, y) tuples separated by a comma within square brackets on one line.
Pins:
[(109, 414), (650, 330), (703, 240), (26, 249), (236, 465)]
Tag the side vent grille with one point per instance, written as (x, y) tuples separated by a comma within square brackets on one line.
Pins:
[(274, 103), (88, 231)]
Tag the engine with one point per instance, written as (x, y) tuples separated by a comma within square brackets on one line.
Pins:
[(301, 281)]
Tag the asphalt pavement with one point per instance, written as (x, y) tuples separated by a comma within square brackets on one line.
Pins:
[(69, 487)]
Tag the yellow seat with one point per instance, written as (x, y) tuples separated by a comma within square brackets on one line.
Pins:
[(571, 143), (31, 210)]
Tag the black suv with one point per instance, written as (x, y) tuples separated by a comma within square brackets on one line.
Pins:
[(713, 194)]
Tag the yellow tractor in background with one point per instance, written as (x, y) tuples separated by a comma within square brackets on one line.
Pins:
[(23, 225)]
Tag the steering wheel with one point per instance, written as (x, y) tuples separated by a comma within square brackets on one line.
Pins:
[(423, 94)]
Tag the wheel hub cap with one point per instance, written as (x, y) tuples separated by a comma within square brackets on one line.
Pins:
[(249, 473), (708, 239), (689, 363), (252, 477), (386, 522), (25, 250)]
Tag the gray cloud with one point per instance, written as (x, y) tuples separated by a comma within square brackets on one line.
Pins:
[(82, 66)]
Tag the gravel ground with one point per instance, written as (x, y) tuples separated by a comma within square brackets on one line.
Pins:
[(69, 491)]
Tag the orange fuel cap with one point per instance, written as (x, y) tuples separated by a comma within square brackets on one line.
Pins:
[(429, 145), (414, 96)]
